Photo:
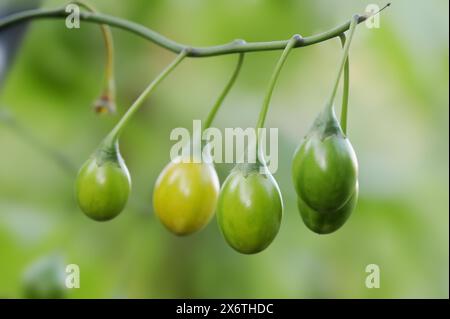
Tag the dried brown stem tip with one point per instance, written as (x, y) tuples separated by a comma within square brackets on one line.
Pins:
[(105, 105)]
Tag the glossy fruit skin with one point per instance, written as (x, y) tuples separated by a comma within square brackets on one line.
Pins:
[(45, 279), (327, 222), (249, 210), (185, 196), (325, 171), (103, 185), (325, 176)]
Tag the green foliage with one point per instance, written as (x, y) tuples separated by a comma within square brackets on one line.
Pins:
[(398, 124)]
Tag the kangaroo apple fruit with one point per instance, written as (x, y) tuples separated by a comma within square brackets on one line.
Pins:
[(185, 196), (250, 209), (325, 168), (325, 223), (103, 184), (325, 174)]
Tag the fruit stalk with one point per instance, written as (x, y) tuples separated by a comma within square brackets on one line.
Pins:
[(276, 72), (353, 24), (345, 89), (116, 131), (219, 101)]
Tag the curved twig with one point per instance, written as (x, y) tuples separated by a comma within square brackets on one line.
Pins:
[(171, 45)]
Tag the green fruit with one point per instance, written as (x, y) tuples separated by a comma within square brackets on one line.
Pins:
[(325, 171), (250, 209), (185, 196), (325, 175), (325, 168), (103, 184), (327, 222), (45, 279)]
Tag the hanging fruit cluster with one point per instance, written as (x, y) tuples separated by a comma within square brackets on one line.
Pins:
[(249, 204), (325, 169)]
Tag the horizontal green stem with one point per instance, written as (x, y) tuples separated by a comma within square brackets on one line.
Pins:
[(140, 30)]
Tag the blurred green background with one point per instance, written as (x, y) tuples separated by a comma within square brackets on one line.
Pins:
[(398, 125)]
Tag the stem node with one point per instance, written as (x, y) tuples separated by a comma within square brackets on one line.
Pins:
[(169, 44), (298, 38), (238, 42)]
